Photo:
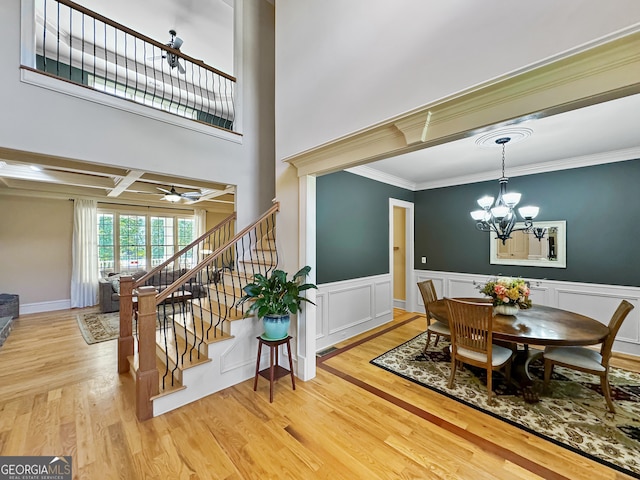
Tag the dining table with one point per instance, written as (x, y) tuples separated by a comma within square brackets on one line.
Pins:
[(539, 325)]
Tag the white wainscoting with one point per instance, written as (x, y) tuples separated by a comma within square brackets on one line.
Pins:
[(348, 308), (593, 300)]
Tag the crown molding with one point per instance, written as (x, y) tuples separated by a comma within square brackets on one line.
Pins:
[(556, 165), (382, 177)]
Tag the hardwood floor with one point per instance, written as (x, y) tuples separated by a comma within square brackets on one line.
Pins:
[(59, 396)]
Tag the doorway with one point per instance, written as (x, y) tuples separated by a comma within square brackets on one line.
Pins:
[(401, 253)]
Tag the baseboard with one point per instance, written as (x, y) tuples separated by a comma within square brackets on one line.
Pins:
[(39, 307), (401, 304)]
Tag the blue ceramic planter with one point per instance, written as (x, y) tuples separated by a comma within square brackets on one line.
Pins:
[(275, 326)]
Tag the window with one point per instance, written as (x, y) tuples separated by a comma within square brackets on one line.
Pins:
[(129, 241)]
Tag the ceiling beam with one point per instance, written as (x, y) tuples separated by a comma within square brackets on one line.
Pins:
[(214, 194), (30, 158), (125, 182), (23, 172)]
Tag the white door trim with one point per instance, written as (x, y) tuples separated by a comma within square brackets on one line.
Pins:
[(409, 247)]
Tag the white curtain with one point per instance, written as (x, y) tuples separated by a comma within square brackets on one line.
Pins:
[(84, 274), (200, 223)]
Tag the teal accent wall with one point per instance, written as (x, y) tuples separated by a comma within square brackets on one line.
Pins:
[(352, 226), (601, 205)]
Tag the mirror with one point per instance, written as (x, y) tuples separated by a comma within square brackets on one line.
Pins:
[(523, 248)]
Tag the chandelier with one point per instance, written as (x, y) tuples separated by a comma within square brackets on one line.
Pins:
[(500, 217)]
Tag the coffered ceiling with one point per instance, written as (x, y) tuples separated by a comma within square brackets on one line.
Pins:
[(24, 173)]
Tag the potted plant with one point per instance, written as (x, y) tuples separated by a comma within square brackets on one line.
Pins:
[(275, 298)]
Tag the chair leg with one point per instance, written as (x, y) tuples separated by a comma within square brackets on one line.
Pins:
[(606, 390), (489, 384), (437, 339), (426, 345), (548, 370), (454, 365), (507, 371)]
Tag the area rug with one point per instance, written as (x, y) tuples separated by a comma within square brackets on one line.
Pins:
[(572, 414), (100, 327)]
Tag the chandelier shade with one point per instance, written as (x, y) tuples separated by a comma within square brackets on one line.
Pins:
[(499, 217)]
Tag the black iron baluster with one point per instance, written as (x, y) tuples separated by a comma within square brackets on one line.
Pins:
[(58, 44)]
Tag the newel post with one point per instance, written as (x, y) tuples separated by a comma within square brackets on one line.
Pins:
[(125, 340), (147, 375)]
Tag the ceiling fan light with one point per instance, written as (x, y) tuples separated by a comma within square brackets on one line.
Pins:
[(172, 197), (528, 212), (485, 202)]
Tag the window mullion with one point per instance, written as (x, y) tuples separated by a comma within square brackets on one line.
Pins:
[(116, 242)]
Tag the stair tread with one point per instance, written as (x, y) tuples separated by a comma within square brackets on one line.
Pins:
[(175, 351), (213, 334), (212, 308)]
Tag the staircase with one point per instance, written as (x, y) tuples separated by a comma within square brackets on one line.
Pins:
[(192, 339)]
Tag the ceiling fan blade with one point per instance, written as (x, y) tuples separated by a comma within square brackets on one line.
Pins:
[(181, 68), (191, 195), (165, 190)]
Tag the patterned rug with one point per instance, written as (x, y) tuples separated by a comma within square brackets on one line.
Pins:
[(99, 327), (572, 414)]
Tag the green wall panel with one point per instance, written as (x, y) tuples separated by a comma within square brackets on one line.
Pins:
[(600, 204), (352, 222)]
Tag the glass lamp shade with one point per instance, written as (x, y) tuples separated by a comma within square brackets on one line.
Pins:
[(529, 212), (172, 197), (511, 199), (500, 212), (479, 215), (485, 202)]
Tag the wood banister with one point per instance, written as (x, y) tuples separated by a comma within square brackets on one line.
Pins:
[(207, 260), (159, 268), (125, 340), (153, 42), (147, 375)]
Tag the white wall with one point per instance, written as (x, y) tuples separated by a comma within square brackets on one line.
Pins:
[(39, 120), (343, 66)]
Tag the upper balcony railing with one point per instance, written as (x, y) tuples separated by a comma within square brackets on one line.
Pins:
[(83, 47)]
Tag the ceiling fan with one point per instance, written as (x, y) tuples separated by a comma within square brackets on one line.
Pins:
[(172, 59), (173, 196)]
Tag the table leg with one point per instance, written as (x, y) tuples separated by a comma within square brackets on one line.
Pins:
[(271, 371), (255, 380), (293, 380)]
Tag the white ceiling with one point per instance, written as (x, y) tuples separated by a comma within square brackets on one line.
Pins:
[(592, 135)]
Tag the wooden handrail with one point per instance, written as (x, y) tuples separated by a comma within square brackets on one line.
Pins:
[(125, 29), (162, 296), (158, 268)]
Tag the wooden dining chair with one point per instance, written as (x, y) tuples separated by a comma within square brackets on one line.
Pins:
[(435, 327), (586, 359), (472, 340)]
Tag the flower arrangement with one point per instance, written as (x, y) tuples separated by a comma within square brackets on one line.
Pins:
[(507, 291)]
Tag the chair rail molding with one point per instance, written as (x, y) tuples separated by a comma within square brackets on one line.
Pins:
[(598, 301)]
